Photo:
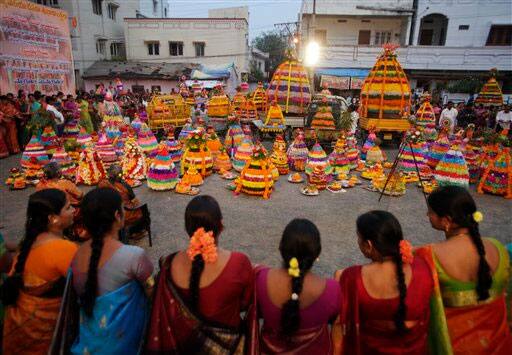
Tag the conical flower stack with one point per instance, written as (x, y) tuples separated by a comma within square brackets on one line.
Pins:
[(106, 151), (437, 150), (318, 157), (192, 177), (290, 87), (278, 156), (497, 178), (162, 173), (147, 140), (113, 130), (407, 163), (238, 100), (90, 168), (174, 146), (84, 138), (34, 153), (243, 154), (234, 135), (425, 113), (274, 121), (385, 93), (248, 112), (298, 153), (256, 177), (370, 142), (196, 153), (67, 165), (491, 92), (222, 162), (259, 98), (338, 158), (50, 140), (133, 162), (185, 132), (323, 119), (71, 129), (213, 143), (471, 157), (351, 150), (137, 123), (374, 155), (452, 169)]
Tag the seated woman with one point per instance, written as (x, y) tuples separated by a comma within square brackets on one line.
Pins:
[(53, 180), (384, 304), (201, 291), (295, 304), (33, 291), (115, 181), (110, 279), (472, 273)]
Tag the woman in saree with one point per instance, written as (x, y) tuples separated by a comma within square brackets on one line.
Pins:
[(33, 291), (85, 115), (130, 201), (384, 304), (471, 275), (296, 305), (111, 280), (10, 116), (201, 291)]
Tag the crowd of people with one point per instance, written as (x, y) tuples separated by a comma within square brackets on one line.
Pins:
[(102, 297)]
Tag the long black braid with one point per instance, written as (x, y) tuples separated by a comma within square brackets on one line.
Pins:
[(300, 240), (385, 233), (99, 207), (456, 202), (41, 205)]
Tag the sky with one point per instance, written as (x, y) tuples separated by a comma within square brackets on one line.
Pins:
[(263, 14)]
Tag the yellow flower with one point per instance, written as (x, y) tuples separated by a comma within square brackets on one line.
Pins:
[(294, 270), (478, 217)]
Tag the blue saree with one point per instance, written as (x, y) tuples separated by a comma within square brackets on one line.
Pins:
[(117, 325)]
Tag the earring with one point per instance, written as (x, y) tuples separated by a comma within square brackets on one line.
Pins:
[(446, 228)]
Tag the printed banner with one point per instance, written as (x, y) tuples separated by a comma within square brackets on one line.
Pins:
[(356, 83), (35, 49), (335, 82)]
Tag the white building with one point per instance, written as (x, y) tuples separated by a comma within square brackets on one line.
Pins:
[(208, 41), (439, 39), (97, 28)]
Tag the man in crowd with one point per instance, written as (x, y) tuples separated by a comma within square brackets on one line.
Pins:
[(449, 114), (58, 116), (466, 116), (504, 118)]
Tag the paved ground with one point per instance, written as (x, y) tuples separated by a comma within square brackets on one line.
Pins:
[(254, 225)]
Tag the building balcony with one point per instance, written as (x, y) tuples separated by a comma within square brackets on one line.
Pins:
[(420, 57)]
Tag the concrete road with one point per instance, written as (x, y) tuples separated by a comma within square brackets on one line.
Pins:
[(254, 225)]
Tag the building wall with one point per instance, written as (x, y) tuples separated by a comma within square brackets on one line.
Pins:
[(165, 85), (343, 30), (226, 40), (478, 14), (350, 7), (230, 12), (154, 8)]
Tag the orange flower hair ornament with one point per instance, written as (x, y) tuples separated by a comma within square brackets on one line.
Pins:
[(406, 251), (202, 243)]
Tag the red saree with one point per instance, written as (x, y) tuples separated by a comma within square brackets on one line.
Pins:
[(376, 332), (175, 329)]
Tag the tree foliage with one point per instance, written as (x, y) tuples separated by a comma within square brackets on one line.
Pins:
[(273, 43)]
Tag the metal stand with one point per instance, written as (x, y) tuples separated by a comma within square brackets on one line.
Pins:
[(395, 164)]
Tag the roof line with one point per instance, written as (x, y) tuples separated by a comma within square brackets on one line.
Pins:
[(186, 18)]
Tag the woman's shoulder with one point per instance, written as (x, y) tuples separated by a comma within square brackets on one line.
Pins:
[(59, 245), (131, 251), (240, 259)]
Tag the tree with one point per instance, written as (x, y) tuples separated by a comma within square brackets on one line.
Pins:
[(255, 74), (275, 45)]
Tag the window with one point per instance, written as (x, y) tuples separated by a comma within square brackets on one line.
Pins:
[(321, 37), (96, 7), (100, 46), (112, 9), (165, 12), (175, 48), (153, 48), (500, 35), (156, 88), (463, 27), (382, 38), (364, 37), (199, 46), (48, 2), (138, 89), (155, 6), (116, 49)]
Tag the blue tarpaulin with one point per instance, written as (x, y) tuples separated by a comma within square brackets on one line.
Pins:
[(344, 72)]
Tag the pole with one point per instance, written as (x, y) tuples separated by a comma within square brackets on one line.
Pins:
[(312, 27)]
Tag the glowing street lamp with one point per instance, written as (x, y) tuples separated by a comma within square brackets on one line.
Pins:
[(312, 53)]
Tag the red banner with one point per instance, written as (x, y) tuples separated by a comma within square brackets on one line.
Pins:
[(356, 83), (335, 82), (35, 48)]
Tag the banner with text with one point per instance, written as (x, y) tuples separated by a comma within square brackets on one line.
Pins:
[(335, 82), (35, 49), (356, 83)]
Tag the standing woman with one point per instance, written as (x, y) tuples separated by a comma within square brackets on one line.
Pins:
[(33, 291), (110, 279), (295, 304), (473, 274), (85, 115), (201, 291), (384, 304)]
